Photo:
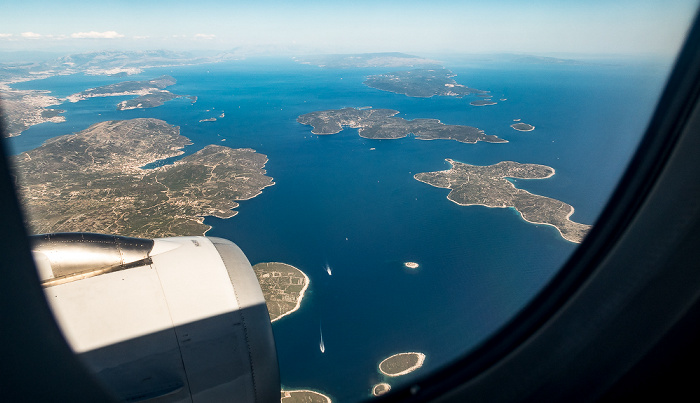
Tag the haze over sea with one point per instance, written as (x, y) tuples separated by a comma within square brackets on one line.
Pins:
[(352, 203)]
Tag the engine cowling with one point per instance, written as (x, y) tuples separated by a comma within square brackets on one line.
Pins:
[(169, 319)]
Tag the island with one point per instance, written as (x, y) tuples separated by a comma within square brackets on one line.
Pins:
[(411, 265), (151, 100), (381, 124), (487, 186), (212, 119), (151, 93), (401, 364), (365, 60), (95, 181), (422, 83), (523, 127), (380, 389), (303, 396), (482, 102), (283, 286)]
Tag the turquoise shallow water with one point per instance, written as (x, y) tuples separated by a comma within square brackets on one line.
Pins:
[(352, 203)]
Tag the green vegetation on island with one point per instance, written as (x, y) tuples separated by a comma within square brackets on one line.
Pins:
[(303, 396), (93, 181), (401, 364), (283, 286), (488, 186), (381, 124), (422, 83), (523, 127), (151, 93), (151, 100)]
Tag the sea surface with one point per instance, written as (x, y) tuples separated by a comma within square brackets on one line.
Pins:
[(351, 203)]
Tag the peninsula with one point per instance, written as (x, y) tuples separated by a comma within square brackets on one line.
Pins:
[(488, 186), (401, 364), (151, 93), (422, 83), (381, 124), (283, 286), (23, 109), (94, 181)]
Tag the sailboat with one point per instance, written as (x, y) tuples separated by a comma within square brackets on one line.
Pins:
[(321, 346), (328, 270)]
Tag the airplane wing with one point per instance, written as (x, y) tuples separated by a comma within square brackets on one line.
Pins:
[(172, 319)]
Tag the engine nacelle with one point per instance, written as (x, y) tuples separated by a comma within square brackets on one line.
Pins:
[(171, 319)]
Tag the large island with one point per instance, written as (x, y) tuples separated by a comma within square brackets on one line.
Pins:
[(488, 186), (422, 83), (94, 181), (381, 124), (151, 93)]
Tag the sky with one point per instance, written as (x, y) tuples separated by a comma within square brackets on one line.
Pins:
[(436, 26)]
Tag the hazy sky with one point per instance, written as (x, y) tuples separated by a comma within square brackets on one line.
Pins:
[(435, 26)]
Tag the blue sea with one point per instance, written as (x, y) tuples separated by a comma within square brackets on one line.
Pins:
[(351, 203)]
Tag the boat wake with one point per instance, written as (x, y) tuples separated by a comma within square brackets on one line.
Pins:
[(321, 345)]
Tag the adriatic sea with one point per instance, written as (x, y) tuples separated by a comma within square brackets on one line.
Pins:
[(352, 203)]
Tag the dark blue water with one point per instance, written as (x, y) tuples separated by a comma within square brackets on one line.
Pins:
[(352, 203)]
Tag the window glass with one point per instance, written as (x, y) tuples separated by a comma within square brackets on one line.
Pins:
[(404, 176)]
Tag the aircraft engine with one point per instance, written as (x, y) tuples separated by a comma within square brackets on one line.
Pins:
[(169, 319)]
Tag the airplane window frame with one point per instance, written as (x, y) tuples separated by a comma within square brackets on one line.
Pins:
[(37, 363), (662, 160)]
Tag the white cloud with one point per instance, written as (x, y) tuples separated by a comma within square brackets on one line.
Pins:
[(5, 35), (140, 37), (96, 35), (30, 35), (205, 36)]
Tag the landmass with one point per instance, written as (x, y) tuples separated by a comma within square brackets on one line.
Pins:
[(523, 127), (151, 93), (303, 396), (482, 102), (401, 364), (283, 286), (110, 63), (422, 83), (488, 186), (23, 109), (212, 119), (364, 60), (531, 59), (380, 389), (151, 100), (381, 124), (94, 181)]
